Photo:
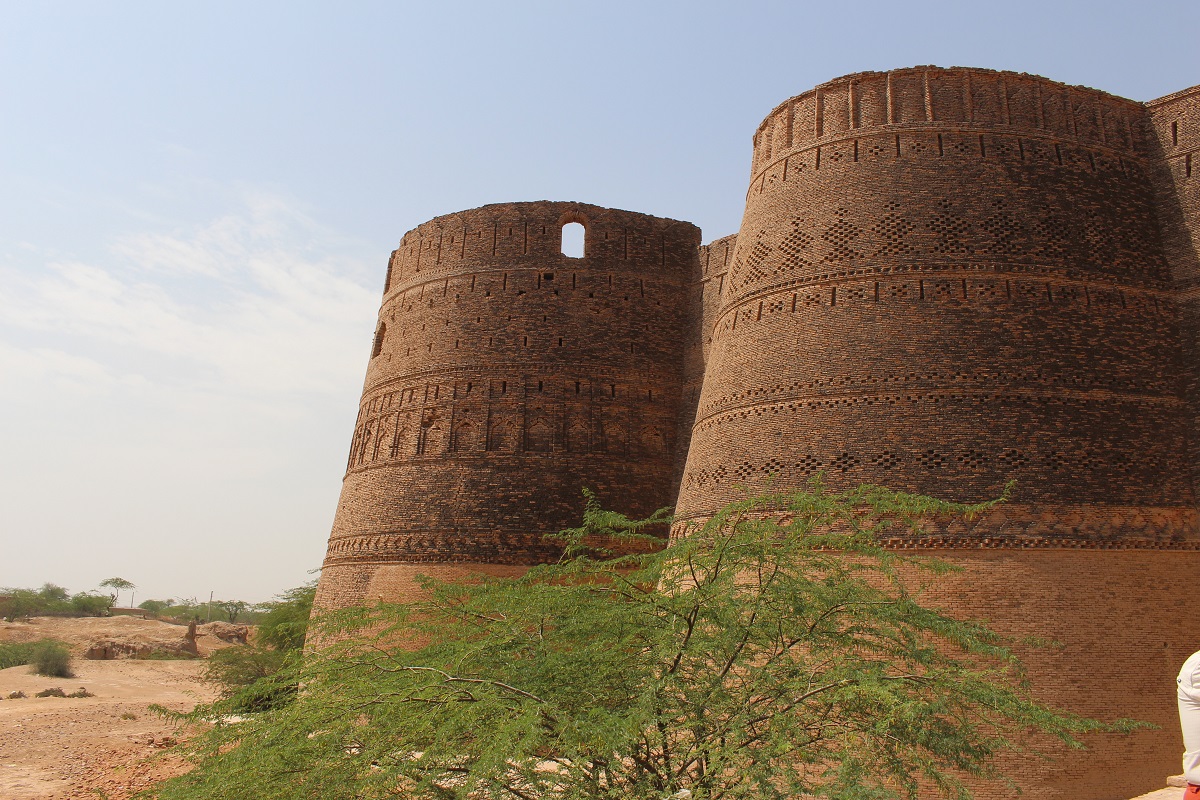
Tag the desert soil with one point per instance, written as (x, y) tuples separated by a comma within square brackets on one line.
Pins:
[(108, 746)]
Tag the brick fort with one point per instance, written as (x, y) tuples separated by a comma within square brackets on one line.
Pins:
[(944, 279)]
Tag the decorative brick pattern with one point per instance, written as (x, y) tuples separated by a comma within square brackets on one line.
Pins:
[(945, 279), (504, 378)]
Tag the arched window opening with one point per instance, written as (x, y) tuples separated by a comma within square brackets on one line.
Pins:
[(573, 235), (377, 345)]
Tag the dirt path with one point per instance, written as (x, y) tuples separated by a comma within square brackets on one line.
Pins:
[(107, 746)]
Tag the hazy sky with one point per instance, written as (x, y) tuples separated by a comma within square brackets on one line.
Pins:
[(197, 203)]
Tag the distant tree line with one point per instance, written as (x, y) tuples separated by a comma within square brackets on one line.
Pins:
[(52, 600)]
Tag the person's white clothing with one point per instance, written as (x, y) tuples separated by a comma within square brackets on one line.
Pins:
[(1189, 716)]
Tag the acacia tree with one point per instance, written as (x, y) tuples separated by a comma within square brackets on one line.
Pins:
[(118, 585), (774, 652)]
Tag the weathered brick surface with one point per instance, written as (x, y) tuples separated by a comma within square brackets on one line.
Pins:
[(944, 279), (1175, 123), (1120, 626), (506, 376)]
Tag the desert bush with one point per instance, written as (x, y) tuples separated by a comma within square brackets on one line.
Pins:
[(89, 604), (249, 674), (81, 692), (285, 623), (14, 654), (54, 692), (156, 606), (52, 659), (17, 695), (51, 601)]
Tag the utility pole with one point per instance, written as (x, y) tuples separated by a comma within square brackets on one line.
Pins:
[(210, 597)]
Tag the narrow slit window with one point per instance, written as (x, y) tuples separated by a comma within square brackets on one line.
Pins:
[(573, 235)]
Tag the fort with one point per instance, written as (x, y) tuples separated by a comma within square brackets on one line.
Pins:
[(945, 279)]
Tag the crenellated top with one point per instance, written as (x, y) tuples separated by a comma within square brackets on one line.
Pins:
[(955, 98), (529, 235)]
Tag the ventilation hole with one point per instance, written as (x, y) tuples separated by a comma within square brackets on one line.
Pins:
[(573, 235)]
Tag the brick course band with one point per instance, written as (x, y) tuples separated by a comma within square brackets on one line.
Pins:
[(944, 280)]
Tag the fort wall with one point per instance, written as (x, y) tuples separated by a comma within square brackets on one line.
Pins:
[(944, 280), (973, 293), (1175, 123), (504, 377)]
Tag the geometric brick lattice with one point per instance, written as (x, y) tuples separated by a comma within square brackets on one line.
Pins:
[(944, 280)]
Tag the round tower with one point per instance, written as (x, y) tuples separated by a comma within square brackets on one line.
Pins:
[(946, 279), (505, 376)]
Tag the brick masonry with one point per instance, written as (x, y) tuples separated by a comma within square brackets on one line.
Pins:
[(945, 279)]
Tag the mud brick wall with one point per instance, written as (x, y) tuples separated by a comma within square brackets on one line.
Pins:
[(946, 279), (1120, 628), (504, 378), (703, 301), (1175, 123)]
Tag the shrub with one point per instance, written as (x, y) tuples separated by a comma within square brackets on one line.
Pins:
[(52, 659), (81, 692), (249, 674), (155, 606), (89, 604), (14, 654), (55, 692), (17, 695), (286, 622)]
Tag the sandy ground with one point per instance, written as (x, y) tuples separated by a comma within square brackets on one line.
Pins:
[(106, 746), (102, 747), (81, 633)]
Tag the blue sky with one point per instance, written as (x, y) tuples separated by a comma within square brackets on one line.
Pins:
[(197, 202)]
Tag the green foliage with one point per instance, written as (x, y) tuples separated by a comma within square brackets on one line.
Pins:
[(53, 593), (232, 608), (118, 585), (51, 600), (252, 678), (188, 610), (155, 606), (89, 604), (19, 603), (51, 659), (774, 652), (14, 654), (285, 623), (258, 677)]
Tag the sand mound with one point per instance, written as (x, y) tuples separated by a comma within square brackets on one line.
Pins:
[(105, 638)]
